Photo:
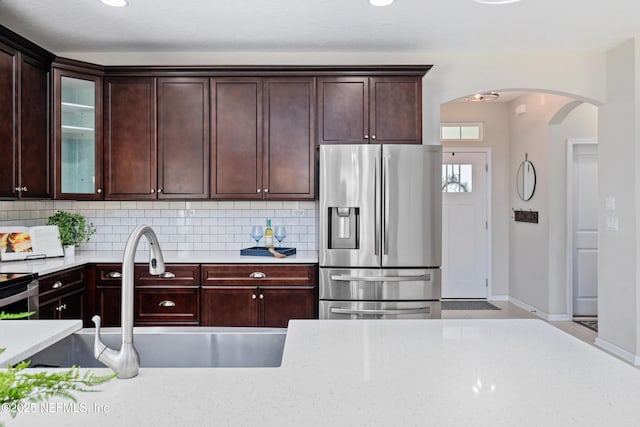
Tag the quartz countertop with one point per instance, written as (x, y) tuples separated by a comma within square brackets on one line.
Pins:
[(451, 372), (52, 265), (23, 338)]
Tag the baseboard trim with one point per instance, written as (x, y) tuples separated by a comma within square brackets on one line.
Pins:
[(634, 359), (498, 298), (542, 314)]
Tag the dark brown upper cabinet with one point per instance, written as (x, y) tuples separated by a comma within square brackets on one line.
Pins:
[(376, 110), (262, 138), (183, 138), (130, 144), (24, 128), (77, 133)]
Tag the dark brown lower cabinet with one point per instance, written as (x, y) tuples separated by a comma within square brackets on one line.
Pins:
[(68, 306), (62, 295), (167, 307), (257, 295)]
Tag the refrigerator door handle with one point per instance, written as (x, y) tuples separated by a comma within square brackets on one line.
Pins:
[(385, 180), (376, 211), (417, 310), (347, 278)]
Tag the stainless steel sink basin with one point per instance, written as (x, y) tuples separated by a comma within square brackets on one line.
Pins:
[(174, 347)]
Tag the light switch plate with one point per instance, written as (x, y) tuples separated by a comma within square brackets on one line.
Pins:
[(612, 223), (610, 203)]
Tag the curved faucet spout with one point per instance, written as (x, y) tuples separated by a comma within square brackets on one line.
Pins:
[(126, 362)]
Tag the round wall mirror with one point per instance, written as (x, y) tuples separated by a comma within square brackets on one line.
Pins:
[(526, 180)]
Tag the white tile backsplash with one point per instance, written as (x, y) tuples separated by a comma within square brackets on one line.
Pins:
[(180, 225)]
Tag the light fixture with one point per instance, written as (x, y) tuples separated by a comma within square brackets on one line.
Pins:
[(483, 97), (380, 2), (496, 1), (114, 3)]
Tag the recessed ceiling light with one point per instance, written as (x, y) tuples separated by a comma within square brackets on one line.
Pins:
[(380, 2), (114, 3), (496, 1)]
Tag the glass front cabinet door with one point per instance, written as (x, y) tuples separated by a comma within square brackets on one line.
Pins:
[(78, 135)]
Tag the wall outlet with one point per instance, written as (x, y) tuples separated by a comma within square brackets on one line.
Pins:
[(610, 203), (612, 223)]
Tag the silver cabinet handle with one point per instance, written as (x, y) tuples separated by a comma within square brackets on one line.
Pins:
[(417, 310), (24, 188), (17, 189), (261, 296), (57, 284), (61, 307), (266, 190), (114, 275), (347, 278), (253, 296), (153, 191), (99, 191), (373, 137), (167, 303), (159, 190), (257, 275), (167, 275), (259, 190), (366, 137)]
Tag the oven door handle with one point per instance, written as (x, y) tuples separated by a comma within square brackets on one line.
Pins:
[(19, 297), (417, 310), (347, 278)]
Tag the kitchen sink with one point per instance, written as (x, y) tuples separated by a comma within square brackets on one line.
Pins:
[(174, 347)]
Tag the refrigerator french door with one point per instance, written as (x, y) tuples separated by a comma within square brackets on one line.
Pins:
[(380, 231)]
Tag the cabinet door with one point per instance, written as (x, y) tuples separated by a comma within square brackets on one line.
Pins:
[(343, 110), (278, 306), (108, 305), (229, 306), (48, 310), (8, 121), (236, 138), (183, 138), (130, 139), (77, 133), (72, 305), (34, 130), (289, 142), (396, 110)]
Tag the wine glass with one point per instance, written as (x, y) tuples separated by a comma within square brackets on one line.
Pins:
[(280, 233), (256, 233)]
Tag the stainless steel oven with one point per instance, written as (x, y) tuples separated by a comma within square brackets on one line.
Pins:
[(19, 293)]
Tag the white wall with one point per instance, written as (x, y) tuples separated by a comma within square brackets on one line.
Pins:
[(496, 136), (618, 176)]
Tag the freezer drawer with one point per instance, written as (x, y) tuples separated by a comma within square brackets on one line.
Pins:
[(380, 310), (379, 284)]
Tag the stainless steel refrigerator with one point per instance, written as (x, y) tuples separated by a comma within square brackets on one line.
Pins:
[(380, 231)]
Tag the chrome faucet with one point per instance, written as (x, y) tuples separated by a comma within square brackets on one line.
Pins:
[(126, 361)]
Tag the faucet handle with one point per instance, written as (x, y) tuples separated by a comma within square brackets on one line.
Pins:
[(98, 346)]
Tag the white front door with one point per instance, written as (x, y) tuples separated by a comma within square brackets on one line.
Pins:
[(585, 230), (464, 225)]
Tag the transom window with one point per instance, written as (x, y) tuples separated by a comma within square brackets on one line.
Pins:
[(462, 131)]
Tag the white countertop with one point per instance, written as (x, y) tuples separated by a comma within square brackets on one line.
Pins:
[(502, 372), (52, 265), (23, 338)]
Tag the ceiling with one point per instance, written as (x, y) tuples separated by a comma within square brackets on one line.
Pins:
[(322, 25)]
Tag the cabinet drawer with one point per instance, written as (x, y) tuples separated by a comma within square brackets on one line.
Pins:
[(168, 306), (61, 282), (174, 275), (109, 274), (258, 275)]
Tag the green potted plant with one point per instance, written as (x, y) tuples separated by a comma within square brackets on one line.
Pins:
[(73, 228)]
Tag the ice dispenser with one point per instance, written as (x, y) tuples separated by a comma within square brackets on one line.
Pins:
[(343, 228)]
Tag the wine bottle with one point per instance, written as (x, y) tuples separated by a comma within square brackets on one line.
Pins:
[(268, 235)]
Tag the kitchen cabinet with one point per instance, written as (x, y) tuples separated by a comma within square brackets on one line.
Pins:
[(130, 143), (148, 159), (62, 295), (257, 294), (77, 134), (169, 300), (24, 128), (363, 110), (262, 138)]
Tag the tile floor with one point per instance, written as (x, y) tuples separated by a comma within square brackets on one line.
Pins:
[(512, 311)]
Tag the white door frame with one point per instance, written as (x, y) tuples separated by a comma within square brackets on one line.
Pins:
[(571, 143), (487, 151)]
